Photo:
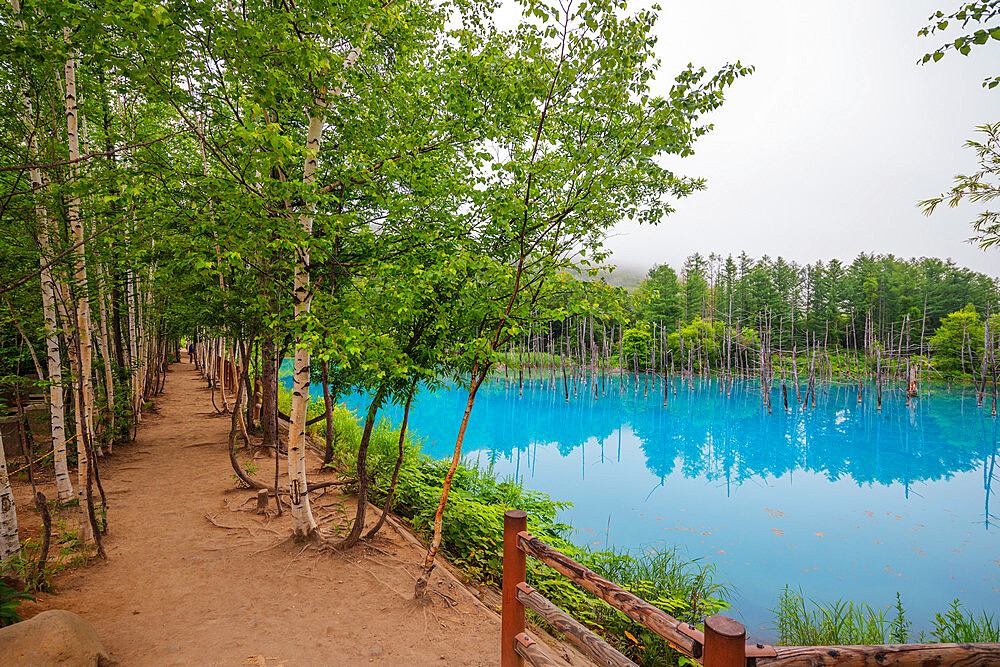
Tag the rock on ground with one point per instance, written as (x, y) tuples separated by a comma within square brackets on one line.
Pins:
[(54, 637)]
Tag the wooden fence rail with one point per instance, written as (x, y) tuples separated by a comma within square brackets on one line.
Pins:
[(722, 644)]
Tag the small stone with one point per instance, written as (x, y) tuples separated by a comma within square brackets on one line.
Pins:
[(376, 650)]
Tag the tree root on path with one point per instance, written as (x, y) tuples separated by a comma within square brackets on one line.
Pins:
[(211, 520), (249, 529), (450, 601), (252, 483), (294, 558), (379, 580), (277, 543)]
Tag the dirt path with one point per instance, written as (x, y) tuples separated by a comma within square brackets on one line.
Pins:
[(177, 589)]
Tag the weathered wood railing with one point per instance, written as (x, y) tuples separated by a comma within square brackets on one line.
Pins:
[(722, 644)]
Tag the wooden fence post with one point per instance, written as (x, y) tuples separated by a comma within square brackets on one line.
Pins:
[(725, 642), (514, 571)]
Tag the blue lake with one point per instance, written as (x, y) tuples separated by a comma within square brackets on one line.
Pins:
[(840, 500)]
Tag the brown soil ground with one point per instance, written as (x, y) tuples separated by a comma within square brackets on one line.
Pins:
[(194, 576)]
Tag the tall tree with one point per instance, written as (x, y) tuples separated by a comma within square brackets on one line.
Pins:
[(660, 295)]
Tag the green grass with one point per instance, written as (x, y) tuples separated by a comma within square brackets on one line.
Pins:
[(960, 626), (803, 622), (666, 578)]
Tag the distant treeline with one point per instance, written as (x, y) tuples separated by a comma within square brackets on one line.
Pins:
[(833, 301), (879, 318)]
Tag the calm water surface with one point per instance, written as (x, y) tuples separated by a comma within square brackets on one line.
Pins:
[(840, 500)]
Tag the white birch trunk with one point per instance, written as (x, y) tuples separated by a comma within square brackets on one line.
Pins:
[(53, 355), (57, 409), (86, 530), (76, 229), (10, 543), (304, 524), (84, 399)]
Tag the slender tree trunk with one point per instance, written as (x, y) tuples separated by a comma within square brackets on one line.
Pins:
[(57, 408), (362, 472), (82, 457), (109, 376), (475, 381), (399, 462), (303, 523), (269, 380), (133, 347), (328, 410), (84, 392), (10, 543), (79, 255)]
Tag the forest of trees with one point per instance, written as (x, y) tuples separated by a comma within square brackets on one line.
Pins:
[(873, 299), (389, 193)]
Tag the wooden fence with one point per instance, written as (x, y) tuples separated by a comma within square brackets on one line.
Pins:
[(721, 644)]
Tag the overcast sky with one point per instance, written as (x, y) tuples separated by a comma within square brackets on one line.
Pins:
[(826, 149)]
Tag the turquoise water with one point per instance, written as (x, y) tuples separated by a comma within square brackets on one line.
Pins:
[(839, 499)]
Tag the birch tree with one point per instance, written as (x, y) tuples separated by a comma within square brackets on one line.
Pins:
[(48, 289), (10, 543)]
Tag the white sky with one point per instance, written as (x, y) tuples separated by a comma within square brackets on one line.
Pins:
[(824, 151)]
